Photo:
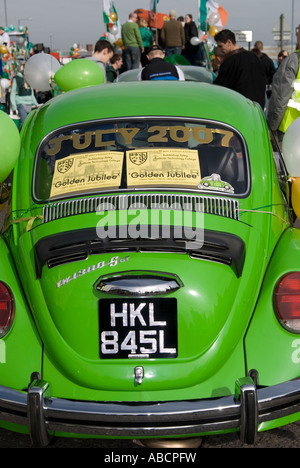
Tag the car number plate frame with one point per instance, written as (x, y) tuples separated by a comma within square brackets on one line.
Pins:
[(138, 328)]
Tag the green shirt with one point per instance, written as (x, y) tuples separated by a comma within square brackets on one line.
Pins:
[(131, 35), (147, 37)]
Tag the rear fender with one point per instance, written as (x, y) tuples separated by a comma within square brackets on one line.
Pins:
[(270, 349), (20, 348)]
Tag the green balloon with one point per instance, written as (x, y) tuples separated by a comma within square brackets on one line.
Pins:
[(9, 145), (79, 73)]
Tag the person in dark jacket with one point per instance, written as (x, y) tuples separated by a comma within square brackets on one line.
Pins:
[(112, 69), (190, 30), (267, 62), (240, 70), (158, 69)]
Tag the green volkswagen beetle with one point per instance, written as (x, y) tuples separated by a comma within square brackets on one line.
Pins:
[(135, 301)]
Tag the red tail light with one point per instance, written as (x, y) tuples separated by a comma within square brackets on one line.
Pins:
[(7, 309), (287, 301)]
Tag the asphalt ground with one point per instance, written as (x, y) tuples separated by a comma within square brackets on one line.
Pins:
[(283, 437)]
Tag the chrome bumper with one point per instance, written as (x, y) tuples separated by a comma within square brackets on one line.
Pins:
[(243, 411)]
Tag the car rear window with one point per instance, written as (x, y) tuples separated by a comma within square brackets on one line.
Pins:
[(144, 153)]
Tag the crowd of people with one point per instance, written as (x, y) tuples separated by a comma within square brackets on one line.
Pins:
[(174, 38), (250, 73)]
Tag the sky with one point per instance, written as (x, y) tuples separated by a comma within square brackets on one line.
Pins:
[(59, 24)]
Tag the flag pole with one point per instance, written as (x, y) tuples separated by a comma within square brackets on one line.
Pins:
[(156, 33)]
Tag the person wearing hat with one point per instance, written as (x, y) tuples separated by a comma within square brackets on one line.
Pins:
[(172, 35), (158, 69)]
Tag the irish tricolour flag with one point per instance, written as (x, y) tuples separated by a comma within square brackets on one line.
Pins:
[(209, 6), (153, 5), (108, 8)]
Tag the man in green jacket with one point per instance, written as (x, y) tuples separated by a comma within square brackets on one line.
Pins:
[(132, 41)]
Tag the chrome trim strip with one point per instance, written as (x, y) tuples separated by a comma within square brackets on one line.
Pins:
[(228, 208), (138, 283), (150, 419)]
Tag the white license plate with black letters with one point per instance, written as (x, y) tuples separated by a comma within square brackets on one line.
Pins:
[(138, 328)]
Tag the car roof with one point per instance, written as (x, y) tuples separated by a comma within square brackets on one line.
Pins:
[(191, 73), (187, 99)]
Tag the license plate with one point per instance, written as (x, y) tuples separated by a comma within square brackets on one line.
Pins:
[(138, 328)]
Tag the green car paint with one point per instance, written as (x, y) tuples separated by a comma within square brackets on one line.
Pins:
[(148, 320)]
